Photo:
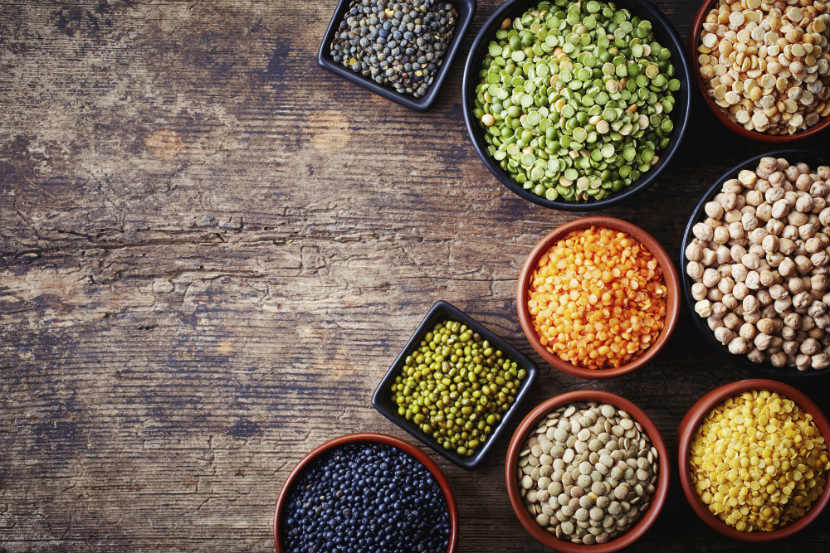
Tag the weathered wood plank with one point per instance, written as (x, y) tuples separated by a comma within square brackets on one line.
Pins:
[(210, 250)]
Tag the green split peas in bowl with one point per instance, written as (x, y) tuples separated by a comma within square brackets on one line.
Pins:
[(575, 99), (456, 386)]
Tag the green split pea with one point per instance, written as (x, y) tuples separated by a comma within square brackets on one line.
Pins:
[(575, 99), (456, 387)]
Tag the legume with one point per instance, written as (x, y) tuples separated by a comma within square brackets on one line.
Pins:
[(400, 44), (759, 262), (456, 387), (767, 64), (597, 298), (588, 472), (365, 497), (575, 98), (758, 461)]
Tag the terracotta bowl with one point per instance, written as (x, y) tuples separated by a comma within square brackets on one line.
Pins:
[(368, 437), (517, 443), (694, 41), (689, 425), (654, 247)]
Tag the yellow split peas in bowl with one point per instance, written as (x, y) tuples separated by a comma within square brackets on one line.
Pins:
[(758, 461)]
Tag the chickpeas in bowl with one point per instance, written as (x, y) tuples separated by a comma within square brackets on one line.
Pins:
[(757, 253)]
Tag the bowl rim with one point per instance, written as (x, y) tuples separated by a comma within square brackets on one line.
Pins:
[(419, 455), (418, 104), (717, 111), (766, 368), (684, 101), (650, 243), (517, 442), (691, 421), (442, 310)]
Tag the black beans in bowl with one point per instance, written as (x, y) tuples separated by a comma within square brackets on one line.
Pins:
[(365, 493)]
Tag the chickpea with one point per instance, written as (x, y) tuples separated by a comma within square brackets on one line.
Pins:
[(703, 232), (694, 251), (751, 261), (747, 331), (703, 308), (783, 305), (695, 270), (775, 226), (767, 278), (738, 346), (729, 301), (785, 269), (720, 235), (790, 346), (804, 203), (780, 208), (778, 359), (698, 291), (796, 285), (736, 230), (756, 356), (767, 326), (764, 212), (737, 252), (739, 272), (824, 217), (753, 280), (731, 321), (722, 255), (762, 341), (769, 243), (750, 222), (709, 257), (801, 301), (819, 282), (820, 361), (714, 295), (724, 335), (803, 264), (714, 210), (711, 277)]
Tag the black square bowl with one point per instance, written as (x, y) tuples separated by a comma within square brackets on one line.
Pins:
[(465, 9), (382, 398)]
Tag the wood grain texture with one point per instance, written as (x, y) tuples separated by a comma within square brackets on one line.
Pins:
[(210, 250)]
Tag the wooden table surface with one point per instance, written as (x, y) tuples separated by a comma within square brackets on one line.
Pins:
[(211, 249)]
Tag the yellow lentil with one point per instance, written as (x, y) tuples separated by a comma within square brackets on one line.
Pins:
[(597, 298), (758, 461)]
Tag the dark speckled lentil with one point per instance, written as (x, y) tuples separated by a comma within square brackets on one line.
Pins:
[(365, 497), (396, 44)]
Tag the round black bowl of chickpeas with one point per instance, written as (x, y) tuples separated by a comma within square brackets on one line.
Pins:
[(755, 256)]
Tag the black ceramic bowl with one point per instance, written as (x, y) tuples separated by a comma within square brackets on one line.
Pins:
[(465, 9), (382, 398), (792, 155), (664, 34)]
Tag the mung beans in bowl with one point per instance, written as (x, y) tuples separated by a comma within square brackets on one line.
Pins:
[(456, 386), (576, 105), (587, 471)]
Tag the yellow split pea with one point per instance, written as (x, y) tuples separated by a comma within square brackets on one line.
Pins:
[(758, 461)]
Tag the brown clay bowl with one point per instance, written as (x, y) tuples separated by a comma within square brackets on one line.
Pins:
[(694, 41), (368, 437), (654, 247), (689, 425), (517, 443)]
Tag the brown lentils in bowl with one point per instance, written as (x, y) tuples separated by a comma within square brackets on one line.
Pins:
[(588, 472)]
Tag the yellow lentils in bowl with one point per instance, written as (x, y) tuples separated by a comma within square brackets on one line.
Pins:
[(758, 461)]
